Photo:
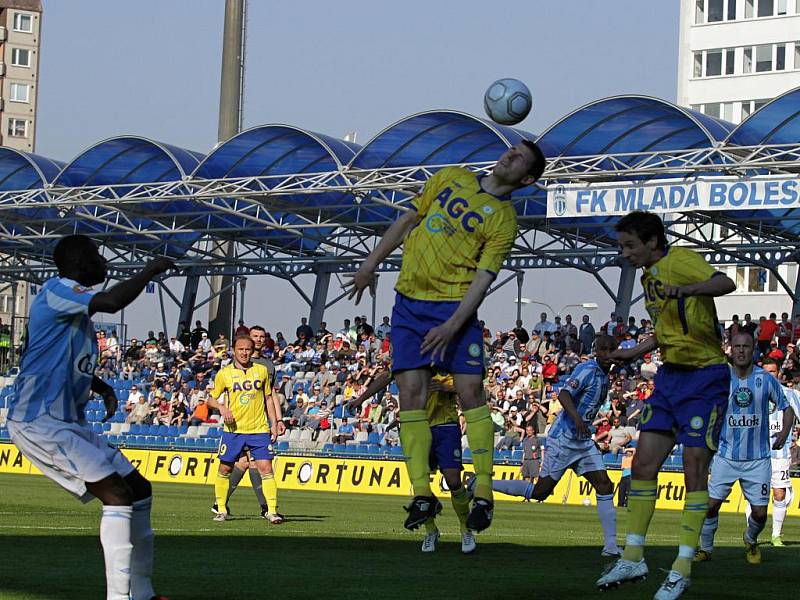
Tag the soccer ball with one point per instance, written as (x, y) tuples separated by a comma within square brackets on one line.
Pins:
[(587, 501), (507, 101)]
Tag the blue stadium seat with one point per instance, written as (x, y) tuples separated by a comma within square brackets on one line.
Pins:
[(374, 449), (162, 430), (161, 440), (363, 448), (516, 455), (97, 427), (135, 429), (374, 438), (215, 432), (327, 448), (172, 431), (351, 449), (339, 412), (393, 388), (340, 448), (396, 451), (282, 446), (189, 442), (152, 430), (183, 429)]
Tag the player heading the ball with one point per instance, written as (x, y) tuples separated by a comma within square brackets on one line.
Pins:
[(457, 235)]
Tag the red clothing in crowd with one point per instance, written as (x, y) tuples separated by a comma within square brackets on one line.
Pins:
[(767, 330)]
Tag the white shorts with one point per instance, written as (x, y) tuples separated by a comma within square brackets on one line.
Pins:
[(752, 475), (68, 453), (780, 473), (582, 456)]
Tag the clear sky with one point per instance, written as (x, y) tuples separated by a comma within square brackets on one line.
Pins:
[(152, 68)]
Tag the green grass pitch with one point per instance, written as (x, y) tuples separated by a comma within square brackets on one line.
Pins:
[(354, 546)]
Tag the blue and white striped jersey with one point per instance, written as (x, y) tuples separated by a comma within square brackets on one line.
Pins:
[(745, 431), (588, 386), (776, 422), (58, 364)]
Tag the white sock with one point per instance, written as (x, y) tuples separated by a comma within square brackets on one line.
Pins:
[(753, 529), (608, 519), (708, 532), (115, 536), (778, 515), (748, 510), (142, 555)]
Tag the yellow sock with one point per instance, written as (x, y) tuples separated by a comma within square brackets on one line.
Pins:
[(416, 439), (460, 500), (270, 489), (430, 525), (480, 435), (694, 512), (221, 486), (641, 505)]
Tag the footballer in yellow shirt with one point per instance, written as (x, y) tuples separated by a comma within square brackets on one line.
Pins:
[(691, 390), (246, 414), (456, 235)]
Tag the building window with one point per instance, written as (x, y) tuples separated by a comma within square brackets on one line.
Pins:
[(716, 11), (731, 10), (766, 8), (713, 63), (20, 57), (759, 103), (18, 128), (763, 58), (727, 111), (698, 64), (18, 92), (699, 12), (712, 109), (748, 9), (730, 61), (797, 48), (780, 57), (23, 23), (783, 5)]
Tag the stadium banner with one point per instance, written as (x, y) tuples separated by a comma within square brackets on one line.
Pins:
[(364, 476), (673, 195)]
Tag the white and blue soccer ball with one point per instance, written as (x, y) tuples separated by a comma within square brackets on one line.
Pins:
[(507, 101)]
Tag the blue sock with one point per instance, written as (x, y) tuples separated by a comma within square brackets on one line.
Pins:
[(513, 487)]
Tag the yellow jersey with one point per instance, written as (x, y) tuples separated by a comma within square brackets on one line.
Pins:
[(687, 328), (441, 406), (247, 390), (460, 228)]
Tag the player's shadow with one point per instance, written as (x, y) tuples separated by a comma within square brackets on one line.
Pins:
[(352, 565)]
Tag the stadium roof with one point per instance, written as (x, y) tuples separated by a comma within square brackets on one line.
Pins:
[(288, 193)]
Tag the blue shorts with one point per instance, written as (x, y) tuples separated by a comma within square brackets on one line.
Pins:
[(234, 444), (445, 447), (413, 319), (689, 402)]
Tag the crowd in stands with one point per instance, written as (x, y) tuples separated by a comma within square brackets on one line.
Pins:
[(318, 375)]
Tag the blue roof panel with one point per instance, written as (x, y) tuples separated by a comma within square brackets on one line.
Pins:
[(777, 122)]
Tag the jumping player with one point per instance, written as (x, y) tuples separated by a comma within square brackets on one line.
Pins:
[(247, 414), (46, 419), (244, 465), (744, 447), (442, 412), (456, 237), (569, 443), (691, 395)]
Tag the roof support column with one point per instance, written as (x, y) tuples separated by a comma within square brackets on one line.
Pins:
[(796, 296), (520, 281), (188, 300), (624, 298), (320, 296), (12, 350)]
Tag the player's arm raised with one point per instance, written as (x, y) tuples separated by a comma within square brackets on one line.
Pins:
[(125, 292), (391, 241)]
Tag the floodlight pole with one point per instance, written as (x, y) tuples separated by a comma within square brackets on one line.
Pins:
[(623, 300), (220, 309)]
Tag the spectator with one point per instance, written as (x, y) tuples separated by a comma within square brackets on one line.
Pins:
[(570, 333), (242, 329), (304, 330), (140, 413), (384, 329), (345, 432), (197, 334), (176, 347), (297, 415), (221, 344), (586, 335), (510, 436), (549, 369), (204, 344), (184, 334), (648, 369), (322, 334), (200, 413), (134, 395), (521, 333), (767, 328), (544, 326), (784, 331), (749, 325), (618, 437), (625, 482), (608, 326)]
